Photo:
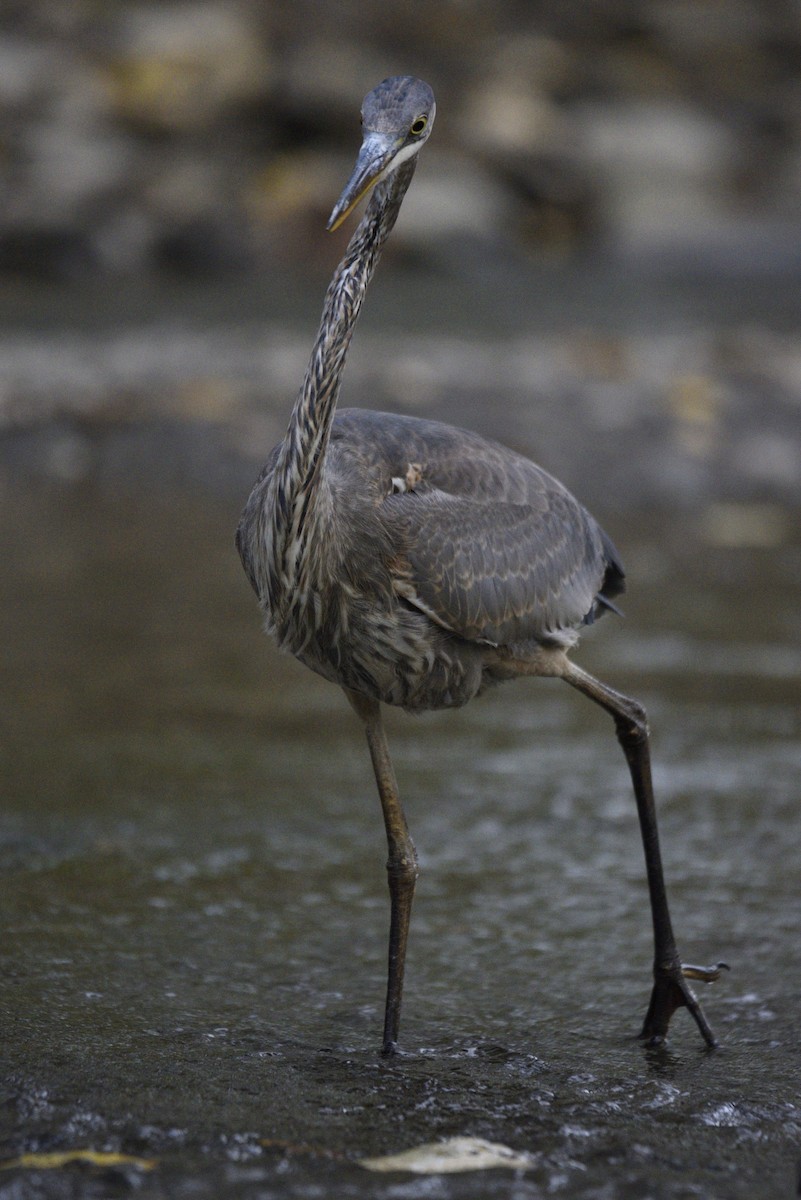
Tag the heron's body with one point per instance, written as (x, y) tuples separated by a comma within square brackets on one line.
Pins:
[(443, 561), (414, 563)]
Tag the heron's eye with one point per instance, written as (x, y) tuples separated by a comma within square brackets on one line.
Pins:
[(418, 125)]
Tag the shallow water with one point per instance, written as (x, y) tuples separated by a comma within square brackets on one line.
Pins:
[(194, 893)]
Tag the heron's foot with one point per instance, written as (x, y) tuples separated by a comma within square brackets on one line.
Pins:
[(672, 991)]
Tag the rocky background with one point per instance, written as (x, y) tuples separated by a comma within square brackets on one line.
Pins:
[(600, 259)]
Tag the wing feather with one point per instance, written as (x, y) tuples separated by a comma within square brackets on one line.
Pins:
[(499, 572), (486, 543)]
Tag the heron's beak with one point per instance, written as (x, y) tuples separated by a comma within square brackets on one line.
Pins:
[(375, 159)]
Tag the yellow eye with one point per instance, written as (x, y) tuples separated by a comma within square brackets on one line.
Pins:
[(418, 125)]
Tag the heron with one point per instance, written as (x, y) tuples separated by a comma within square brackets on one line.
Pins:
[(417, 564)]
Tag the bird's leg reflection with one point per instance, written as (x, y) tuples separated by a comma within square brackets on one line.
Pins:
[(671, 989), (401, 862)]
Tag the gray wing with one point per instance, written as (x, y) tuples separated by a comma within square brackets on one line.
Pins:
[(488, 544), (501, 572)]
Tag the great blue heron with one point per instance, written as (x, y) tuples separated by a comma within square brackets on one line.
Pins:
[(415, 564)]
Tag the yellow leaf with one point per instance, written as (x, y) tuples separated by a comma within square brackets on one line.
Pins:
[(95, 1158)]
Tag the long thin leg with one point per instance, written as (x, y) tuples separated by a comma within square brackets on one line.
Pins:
[(671, 989), (401, 863)]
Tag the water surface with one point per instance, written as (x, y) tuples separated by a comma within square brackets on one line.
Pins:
[(194, 904)]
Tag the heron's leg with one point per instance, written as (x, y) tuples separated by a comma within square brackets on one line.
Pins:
[(401, 863), (671, 989)]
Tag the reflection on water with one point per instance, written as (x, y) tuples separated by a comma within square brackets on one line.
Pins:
[(194, 898)]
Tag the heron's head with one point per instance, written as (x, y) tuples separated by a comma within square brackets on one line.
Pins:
[(397, 118)]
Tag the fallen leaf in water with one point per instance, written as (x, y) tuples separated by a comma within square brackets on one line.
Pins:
[(95, 1158), (452, 1155)]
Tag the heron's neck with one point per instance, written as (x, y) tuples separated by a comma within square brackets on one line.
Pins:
[(299, 468)]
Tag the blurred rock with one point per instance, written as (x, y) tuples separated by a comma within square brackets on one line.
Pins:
[(669, 128), (512, 121), (663, 420), (320, 78), (661, 170), (180, 67), (510, 107)]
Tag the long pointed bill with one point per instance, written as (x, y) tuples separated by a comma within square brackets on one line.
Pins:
[(375, 157)]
